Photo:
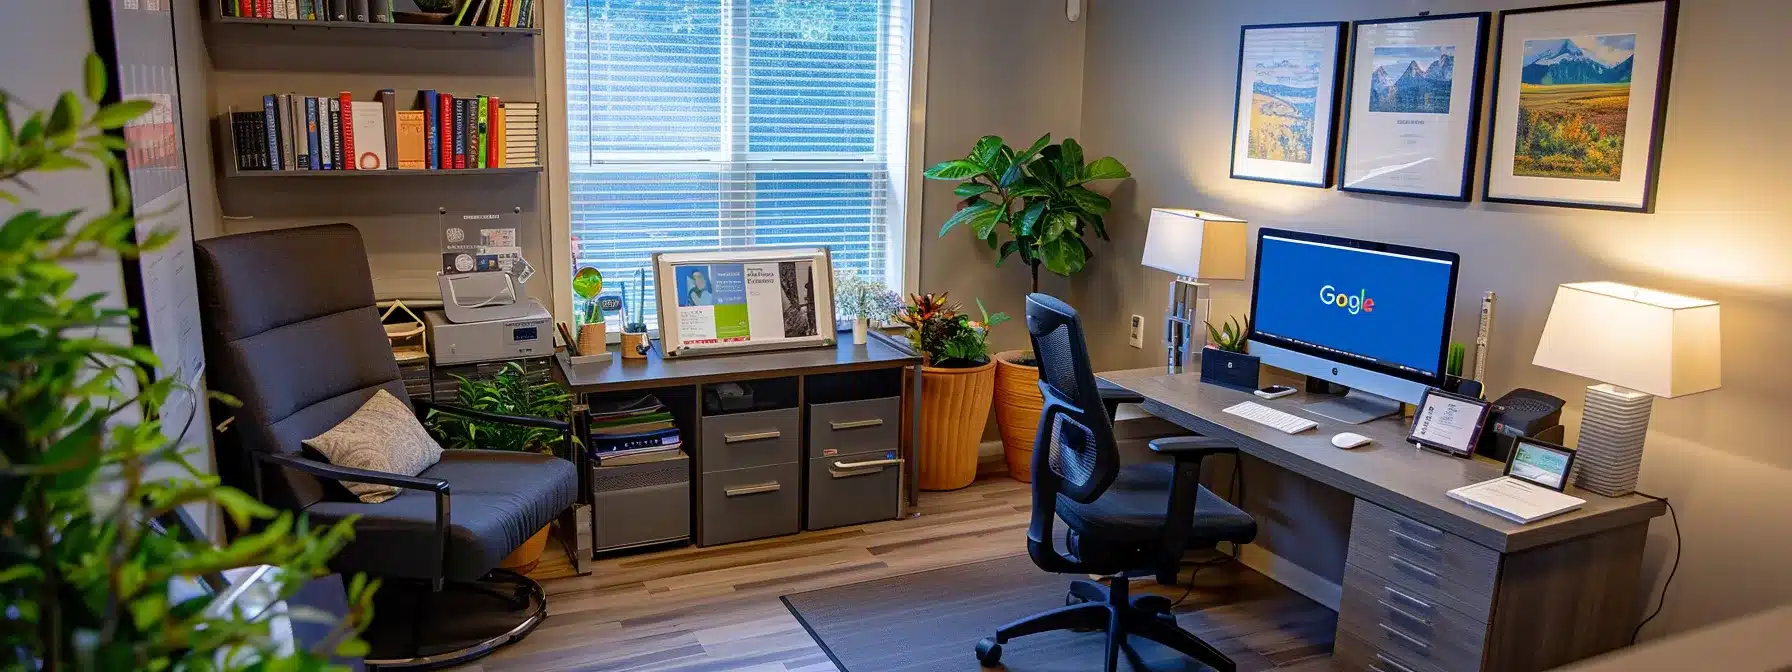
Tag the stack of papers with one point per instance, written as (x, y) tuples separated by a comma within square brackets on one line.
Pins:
[(632, 432), (1516, 500)]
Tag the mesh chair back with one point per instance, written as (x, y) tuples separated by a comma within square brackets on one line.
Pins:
[(1075, 441)]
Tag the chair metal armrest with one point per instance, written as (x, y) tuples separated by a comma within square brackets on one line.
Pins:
[(1185, 488), (1183, 447), (436, 486), (518, 420)]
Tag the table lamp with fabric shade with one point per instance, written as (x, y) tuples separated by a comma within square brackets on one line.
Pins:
[(1194, 245), (1641, 344)]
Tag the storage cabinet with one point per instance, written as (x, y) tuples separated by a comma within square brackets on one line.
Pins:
[(855, 474)]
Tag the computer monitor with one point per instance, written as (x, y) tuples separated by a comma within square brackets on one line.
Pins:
[(1371, 316)]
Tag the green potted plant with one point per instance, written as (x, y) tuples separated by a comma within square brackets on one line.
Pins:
[(957, 380), (87, 570), (587, 284), (1224, 361), (1039, 197), (429, 11), (509, 392), (862, 301)]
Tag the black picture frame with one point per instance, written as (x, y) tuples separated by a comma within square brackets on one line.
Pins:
[(1652, 175), (1466, 191), (1329, 170), (1567, 469), (1474, 437)]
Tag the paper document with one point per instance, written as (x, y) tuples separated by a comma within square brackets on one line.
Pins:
[(1516, 500)]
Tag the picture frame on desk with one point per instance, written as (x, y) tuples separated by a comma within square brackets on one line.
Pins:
[(1285, 110), (1413, 106), (1439, 424)]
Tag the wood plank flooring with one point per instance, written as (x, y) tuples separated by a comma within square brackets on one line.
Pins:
[(718, 609)]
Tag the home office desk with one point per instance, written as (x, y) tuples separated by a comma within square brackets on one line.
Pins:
[(1432, 584)]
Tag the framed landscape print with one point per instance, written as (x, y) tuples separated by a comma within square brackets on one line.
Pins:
[(1413, 105), (1580, 92), (1284, 118)]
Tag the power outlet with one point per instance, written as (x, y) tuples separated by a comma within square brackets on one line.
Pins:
[(1137, 337)]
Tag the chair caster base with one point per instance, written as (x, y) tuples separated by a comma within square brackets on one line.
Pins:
[(421, 629), (989, 653)]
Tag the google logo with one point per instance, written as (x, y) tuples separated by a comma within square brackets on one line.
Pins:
[(1359, 303)]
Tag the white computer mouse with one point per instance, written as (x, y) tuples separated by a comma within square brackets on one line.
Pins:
[(1350, 440)]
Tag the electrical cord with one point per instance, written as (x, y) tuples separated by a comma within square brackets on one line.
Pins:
[(1672, 569)]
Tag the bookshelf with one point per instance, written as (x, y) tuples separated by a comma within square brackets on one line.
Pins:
[(377, 174), (231, 30)]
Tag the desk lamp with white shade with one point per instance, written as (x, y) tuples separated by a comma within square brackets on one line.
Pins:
[(1641, 344), (1195, 246)]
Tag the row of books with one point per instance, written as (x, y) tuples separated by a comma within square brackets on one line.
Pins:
[(633, 432), (486, 13), (294, 132)]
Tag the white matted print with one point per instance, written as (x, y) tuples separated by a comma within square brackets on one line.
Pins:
[(1579, 91), (744, 300), (1415, 97), (1287, 102)]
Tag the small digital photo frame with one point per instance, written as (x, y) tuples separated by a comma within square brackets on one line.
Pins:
[(1539, 463), (1449, 422)]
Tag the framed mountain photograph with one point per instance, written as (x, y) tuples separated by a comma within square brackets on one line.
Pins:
[(1413, 105), (1285, 116), (1580, 96)]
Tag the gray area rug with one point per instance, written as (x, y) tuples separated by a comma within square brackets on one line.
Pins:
[(932, 621)]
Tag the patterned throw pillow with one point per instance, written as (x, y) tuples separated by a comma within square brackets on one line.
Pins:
[(383, 435)]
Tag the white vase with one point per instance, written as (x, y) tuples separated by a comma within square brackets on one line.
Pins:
[(859, 327)]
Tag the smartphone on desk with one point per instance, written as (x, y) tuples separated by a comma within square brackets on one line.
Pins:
[(1274, 392)]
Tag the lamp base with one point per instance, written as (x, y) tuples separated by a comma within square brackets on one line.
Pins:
[(1614, 423)]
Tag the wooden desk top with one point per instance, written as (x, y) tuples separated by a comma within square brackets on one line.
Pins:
[(1389, 472), (657, 371)]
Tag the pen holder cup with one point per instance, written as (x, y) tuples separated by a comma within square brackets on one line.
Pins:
[(592, 337), (634, 345)]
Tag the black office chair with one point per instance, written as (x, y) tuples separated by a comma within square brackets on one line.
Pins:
[(1123, 520)]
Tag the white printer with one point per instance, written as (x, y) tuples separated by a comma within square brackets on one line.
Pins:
[(487, 317)]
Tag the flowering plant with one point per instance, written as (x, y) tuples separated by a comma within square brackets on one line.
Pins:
[(946, 337)]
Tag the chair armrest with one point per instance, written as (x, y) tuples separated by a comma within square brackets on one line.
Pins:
[(1115, 394), (1191, 446), (326, 470), (518, 420)]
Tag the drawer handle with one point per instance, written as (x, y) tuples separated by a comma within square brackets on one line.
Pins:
[(1382, 657), (1422, 645), (751, 436), (1427, 529), (856, 424), (1405, 614), (1434, 548), (1408, 565), (1408, 598), (752, 489), (849, 469)]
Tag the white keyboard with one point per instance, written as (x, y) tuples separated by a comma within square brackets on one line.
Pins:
[(1258, 413)]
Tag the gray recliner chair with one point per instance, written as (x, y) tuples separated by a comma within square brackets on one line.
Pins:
[(291, 330)]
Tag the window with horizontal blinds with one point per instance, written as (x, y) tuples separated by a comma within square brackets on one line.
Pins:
[(725, 124)]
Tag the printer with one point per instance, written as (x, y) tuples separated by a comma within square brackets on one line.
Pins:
[(487, 317)]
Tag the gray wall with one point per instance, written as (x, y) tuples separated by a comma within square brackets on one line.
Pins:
[(1157, 93)]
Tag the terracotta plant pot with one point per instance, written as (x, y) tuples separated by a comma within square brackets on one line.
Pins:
[(1017, 402), (527, 556), (954, 409)]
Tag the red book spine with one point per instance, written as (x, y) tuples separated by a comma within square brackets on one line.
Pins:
[(447, 131), (263, 9), (505, 19), (491, 132), (245, 8), (348, 132)]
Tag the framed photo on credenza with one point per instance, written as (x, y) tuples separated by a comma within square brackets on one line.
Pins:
[(1413, 105), (1580, 96), (1286, 109)]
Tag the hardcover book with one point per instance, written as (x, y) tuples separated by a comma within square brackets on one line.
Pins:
[(346, 133), (367, 130), (412, 148)]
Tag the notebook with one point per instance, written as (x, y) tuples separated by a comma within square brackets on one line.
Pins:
[(1516, 500)]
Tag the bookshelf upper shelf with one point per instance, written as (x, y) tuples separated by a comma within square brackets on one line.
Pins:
[(231, 28), (376, 174)]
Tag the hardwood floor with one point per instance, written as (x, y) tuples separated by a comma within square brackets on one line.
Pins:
[(718, 609)]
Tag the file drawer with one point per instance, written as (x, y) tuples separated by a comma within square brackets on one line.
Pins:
[(851, 427), (753, 503), (1435, 565), (641, 504), (1352, 654), (1414, 629), (744, 440), (853, 489)]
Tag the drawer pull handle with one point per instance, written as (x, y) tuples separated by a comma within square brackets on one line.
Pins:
[(1427, 529), (1382, 657), (1434, 548), (867, 463), (1408, 565), (856, 424), (1408, 598), (751, 436), (850, 469), (752, 489), (1405, 614), (1421, 644)]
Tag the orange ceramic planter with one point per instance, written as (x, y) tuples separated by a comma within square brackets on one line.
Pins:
[(954, 409), (1017, 402), (528, 555)]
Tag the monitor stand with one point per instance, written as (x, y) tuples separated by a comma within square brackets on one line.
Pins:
[(1355, 407)]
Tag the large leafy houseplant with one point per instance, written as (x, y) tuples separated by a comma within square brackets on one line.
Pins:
[(511, 393), (1039, 196), (86, 573)]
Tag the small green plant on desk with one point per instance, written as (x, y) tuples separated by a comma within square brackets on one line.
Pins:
[(1231, 336), (1453, 365), (510, 392)]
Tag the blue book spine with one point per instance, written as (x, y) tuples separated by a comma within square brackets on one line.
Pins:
[(311, 133), (432, 148), (273, 131)]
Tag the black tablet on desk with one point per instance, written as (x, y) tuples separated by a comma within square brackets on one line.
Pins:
[(1449, 422)]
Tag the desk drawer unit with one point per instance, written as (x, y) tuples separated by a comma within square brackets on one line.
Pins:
[(853, 489), (1427, 562), (745, 440), (641, 504), (753, 503), (1407, 628), (852, 427), (1350, 652)]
